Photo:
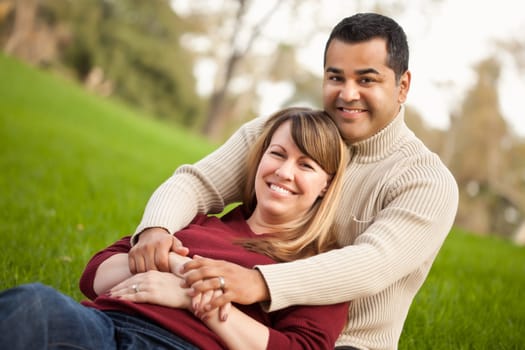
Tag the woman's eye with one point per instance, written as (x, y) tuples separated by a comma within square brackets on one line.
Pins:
[(308, 166)]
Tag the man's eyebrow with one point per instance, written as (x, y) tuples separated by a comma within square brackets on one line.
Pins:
[(334, 70), (357, 71), (366, 71)]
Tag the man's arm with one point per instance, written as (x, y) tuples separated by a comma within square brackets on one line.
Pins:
[(204, 187), (405, 235)]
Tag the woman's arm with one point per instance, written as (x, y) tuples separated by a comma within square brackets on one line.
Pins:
[(294, 328), (87, 280), (239, 331), (112, 271)]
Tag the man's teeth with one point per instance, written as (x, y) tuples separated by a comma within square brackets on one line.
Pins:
[(279, 189)]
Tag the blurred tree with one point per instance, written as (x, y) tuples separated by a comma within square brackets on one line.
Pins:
[(482, 159), (230, 33), (433, 137), (215, 118), (128, 48), (22, 39)]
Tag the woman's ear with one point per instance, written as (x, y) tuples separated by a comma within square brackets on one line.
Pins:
[(323, 191)]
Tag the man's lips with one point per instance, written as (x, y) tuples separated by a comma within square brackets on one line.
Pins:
[(351, 113), (351, 110)]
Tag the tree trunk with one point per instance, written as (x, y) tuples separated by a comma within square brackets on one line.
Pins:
[(20, 41), (216, 119)]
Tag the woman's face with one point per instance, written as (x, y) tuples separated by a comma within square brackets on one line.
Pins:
[(287, 182)]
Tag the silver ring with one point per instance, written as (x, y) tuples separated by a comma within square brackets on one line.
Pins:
[(135, 287), (222, 284)]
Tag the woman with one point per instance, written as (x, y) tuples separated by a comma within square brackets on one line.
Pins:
[(295, 171)]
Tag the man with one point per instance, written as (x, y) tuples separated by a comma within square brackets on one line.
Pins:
[(398, 199)]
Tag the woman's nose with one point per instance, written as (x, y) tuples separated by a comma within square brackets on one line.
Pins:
[(285, 171)]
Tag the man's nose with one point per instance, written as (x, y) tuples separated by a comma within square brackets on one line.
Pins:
[(349, 92)]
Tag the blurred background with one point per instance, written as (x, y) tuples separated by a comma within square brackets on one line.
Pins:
[(209, 66)]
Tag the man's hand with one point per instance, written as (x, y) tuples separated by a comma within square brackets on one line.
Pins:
[(152, 249), (241, 285)]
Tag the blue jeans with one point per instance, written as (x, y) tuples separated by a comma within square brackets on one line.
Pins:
[(34, 316)]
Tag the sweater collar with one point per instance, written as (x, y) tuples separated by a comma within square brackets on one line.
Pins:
[(384, 143)]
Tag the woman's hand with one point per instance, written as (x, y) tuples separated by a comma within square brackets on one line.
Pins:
[(241, 285), (154, 287)]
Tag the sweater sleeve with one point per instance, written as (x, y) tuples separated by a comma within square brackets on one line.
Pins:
[(314, 327), (204, 187), (406, 233), (88, 276)]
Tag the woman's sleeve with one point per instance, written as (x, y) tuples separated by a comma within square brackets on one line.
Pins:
[(88, 276), (204, 187), (307, 327)]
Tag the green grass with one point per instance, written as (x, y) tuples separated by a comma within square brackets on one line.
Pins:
[(77, 170), (472, 299)]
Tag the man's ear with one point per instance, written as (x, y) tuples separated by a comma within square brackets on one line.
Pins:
[(404, 86)]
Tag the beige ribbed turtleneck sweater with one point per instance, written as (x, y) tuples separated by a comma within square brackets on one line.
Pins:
[(398, 205)]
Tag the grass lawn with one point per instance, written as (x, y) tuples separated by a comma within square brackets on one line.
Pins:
[(77, 171)]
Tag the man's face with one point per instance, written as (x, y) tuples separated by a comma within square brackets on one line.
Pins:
[(359, 90)]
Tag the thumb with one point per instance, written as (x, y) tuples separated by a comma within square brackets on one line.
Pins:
[(178, 248)]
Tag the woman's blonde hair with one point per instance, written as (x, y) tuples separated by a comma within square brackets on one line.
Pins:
[(317, 136)]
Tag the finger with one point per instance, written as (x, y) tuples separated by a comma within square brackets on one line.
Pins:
[(178, 248), (219, 301), (136, 259), (121, 290), (206, 297), (161, 260), (194, 264), (141, 254), (195, 301), (131, 263), (149, 259), (203, 286), (202, 273), (224, 311)]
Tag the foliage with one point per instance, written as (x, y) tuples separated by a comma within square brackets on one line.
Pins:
[(134, 44), (78, 170), (483, 159)]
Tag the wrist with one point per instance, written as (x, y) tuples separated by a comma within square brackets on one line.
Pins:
[(176, 263), (262, 292)]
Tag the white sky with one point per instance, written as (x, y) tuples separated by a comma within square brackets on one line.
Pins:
[(446, 39)]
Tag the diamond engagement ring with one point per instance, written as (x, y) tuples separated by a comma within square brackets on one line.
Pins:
[(135, 287)]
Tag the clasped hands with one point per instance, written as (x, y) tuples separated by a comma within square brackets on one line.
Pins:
[(157, 250)]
